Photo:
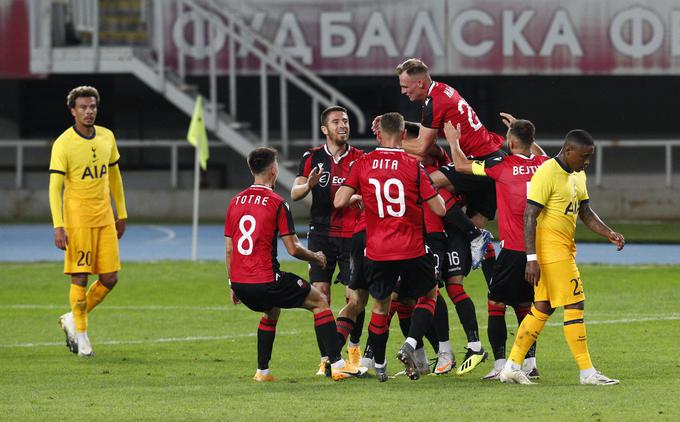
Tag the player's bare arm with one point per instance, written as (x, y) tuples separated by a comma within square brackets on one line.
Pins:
[(296, 249), (507, 119), (437, 205), (120, 227), (532, 272), (463, 165), (303, 185), (343, 197), (595, 224), (227, 261), (421, 145)]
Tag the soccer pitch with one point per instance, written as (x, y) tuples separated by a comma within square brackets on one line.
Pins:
[(171, 346)]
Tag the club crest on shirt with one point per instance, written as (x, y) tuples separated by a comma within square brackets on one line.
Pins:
[(301, 283)]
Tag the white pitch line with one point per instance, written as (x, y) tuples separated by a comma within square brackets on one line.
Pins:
[(170, 234)]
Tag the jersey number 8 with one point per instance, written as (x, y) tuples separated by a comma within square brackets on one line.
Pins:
[(245, 243)]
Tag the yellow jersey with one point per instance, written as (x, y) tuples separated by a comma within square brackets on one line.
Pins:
[(85, 163), (560, 192)]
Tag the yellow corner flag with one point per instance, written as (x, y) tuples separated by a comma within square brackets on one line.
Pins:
[(197, 135)]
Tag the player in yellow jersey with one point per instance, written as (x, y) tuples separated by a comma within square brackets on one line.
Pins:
[(557, 195), (84, 165)]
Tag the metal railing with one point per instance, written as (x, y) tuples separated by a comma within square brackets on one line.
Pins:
[(174, 145)]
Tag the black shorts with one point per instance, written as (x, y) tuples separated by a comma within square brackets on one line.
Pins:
[(479, 190), (415, 276), (337, 251), (358, 263), (508, 284), (286, 291), (458, 256), (436, 245)]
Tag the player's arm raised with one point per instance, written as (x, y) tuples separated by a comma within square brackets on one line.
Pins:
[(595, 224), (296, 249), (532, 272), (303, 185), (460, 161)]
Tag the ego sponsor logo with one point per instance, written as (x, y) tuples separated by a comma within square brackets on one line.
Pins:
[(325, 178)]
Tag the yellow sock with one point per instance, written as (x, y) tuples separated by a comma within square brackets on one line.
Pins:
[(527, 333), (575, 333), (78, 307), (95, 294)]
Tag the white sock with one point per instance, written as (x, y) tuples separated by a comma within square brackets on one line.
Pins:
[(351, 344), (338, 364), (445, 346), (512, 366), (529, 364), (475, 346), (412, 342), (499, 364), (381, 365), (324, 358), (585, 373), (263, 371)]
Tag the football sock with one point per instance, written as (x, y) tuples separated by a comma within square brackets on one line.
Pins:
[(575, 333), (499, 364), (456, 217), (345, 326), (96, 294), (355, 334), (78, 301), (368, 349), (412, 342), (378, 332), (488, 263), (521, 312), (421, 318), (527, 333), (404, 313), (262, 371), (445, 346), (266, 332), (465, 310), (393, 310), (326, 331), (497, 330), (441, 319), (431, 336)]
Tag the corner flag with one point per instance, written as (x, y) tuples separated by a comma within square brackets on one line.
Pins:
[(197, 135)]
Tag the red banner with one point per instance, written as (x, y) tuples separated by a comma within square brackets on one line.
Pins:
[(14, 39), (453, 37)]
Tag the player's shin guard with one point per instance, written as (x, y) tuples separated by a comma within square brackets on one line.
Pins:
[(456, 217), (527, 333), (488, 263), (404, 313), (421, 318), (498, 331), (575, 333), (326, 334), (393, 310), (465, 309), (378, 332), (521, 312), (266, 332), (355, 334), (78, 301), (96, 294), (345, 326)]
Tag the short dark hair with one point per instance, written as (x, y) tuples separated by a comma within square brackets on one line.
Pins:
[(81, 91), (524, 131), (412, 130), (412, 67), (392, 123), (260, 159), (580, 138), (329, 110)]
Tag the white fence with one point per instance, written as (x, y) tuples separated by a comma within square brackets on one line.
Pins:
[(20, 147)]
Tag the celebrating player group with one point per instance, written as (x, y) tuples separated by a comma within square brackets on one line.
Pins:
[(403, 224)]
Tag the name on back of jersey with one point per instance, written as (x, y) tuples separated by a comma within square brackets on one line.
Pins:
[(251, 199), (385, 164), (524, 170)]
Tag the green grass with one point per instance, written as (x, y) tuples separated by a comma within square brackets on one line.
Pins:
[(148, 367)]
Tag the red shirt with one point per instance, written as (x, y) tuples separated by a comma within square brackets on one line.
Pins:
[(512, 175), (393, 187), (325, 218), (254, 218), (433, 222), (444, 103)]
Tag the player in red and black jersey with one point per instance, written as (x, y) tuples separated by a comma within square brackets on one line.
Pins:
[(393, 187), (322, 171), (443, 103), (512, 175), (254, 219)]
